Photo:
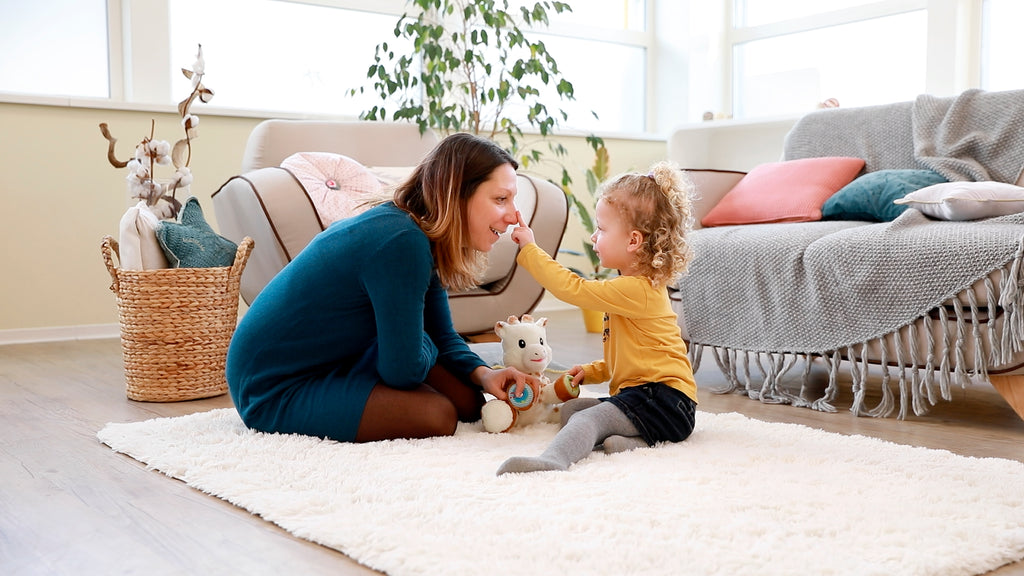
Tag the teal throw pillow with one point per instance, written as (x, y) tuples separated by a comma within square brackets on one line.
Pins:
[(192, 243), (871, 196)]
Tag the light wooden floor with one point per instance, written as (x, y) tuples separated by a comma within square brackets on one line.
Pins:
[(70, 505)]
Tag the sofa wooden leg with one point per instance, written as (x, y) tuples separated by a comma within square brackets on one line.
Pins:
[(1011, 387)]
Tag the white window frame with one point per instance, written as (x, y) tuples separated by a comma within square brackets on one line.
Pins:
[(140, 75), (954, 32), (141, 66)]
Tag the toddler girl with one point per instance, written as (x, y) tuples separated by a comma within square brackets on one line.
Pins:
[(641, 226)]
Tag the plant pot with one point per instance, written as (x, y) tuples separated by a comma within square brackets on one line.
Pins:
[(593, 321)]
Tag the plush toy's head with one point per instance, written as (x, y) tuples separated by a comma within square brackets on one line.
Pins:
[(525, 347), (524, 343)]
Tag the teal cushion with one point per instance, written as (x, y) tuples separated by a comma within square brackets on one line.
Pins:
[(192, 243), (871, 196)]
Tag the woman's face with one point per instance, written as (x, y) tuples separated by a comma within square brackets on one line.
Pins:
[(491, 209)]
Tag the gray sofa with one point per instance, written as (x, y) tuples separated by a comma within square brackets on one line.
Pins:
[(937, 303), (270, 204)]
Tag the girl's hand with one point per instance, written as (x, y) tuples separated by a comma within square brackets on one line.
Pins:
[(521, 234), (499, 382), (577, 375)]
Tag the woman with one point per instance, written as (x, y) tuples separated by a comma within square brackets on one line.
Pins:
[(353, 340)]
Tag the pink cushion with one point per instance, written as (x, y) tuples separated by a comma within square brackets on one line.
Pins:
[(792, 191), (339, 186)]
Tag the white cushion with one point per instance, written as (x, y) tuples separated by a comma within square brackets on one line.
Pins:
[(338, 186), (966, 200), (138, 248)]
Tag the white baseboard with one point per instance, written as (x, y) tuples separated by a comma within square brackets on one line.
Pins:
[(96, 331), (58, 333)]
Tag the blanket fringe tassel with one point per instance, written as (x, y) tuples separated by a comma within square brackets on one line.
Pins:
[(924, 368)]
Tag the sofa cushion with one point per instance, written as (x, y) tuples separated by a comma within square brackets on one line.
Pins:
[(966, 200), (870, 197), (790, 191), (338, 186)]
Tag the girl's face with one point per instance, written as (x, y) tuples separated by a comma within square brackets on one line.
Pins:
[(491, 209), (613, 239)]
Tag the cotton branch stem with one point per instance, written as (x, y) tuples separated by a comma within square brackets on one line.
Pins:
[(111, 157)]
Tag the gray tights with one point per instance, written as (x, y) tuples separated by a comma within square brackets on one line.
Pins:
[(586, 423)]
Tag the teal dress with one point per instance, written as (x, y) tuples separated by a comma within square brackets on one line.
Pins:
[(360, 305)]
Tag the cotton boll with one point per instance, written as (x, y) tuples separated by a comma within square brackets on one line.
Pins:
[(137, 170), (183, 177), (163, 210), (160, 151), (199, 66), (136, 188)]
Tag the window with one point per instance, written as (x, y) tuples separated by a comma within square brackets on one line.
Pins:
[(792, 73), (789, 55), (606, 14), (319, 51), (292, 56), (54, 47), (278, 56), (614, 91), (1002, 45), (602, 47), (759, 12)]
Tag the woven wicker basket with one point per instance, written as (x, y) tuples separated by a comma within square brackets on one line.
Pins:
[(176, 324)]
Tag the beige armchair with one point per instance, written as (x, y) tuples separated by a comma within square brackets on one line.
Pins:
[(267, 203)]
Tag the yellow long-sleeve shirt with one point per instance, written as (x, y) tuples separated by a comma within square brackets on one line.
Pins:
[(641, 337)]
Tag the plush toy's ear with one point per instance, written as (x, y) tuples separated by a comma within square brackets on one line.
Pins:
[(500, 327), (541, 322)]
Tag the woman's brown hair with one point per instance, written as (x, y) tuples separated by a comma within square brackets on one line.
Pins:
[(436, 195)]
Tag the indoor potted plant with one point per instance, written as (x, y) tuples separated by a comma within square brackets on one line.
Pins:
[(471, 65)]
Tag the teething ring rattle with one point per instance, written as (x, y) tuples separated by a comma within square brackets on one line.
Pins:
[(565, 389), (523, 400)]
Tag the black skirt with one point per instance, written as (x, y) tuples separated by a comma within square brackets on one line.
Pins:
[(659, 412)]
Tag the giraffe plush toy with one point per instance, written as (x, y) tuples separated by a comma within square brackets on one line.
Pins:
[(524, 346)]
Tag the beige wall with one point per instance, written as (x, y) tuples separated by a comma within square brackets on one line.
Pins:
[(59, 197)]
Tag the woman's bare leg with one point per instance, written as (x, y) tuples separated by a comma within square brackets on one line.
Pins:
[(467, 398), (432, 409)]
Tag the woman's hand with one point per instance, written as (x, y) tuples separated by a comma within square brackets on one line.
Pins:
[(498, 382), (522, 234)]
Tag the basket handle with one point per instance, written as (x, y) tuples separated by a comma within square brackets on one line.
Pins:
[(109, 248), (242, 256)]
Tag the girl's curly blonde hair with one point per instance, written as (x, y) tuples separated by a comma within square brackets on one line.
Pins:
[(658, 205)]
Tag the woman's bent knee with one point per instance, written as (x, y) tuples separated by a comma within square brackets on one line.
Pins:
[(421, 413)]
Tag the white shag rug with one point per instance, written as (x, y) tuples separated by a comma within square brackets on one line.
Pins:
[(739, 497)]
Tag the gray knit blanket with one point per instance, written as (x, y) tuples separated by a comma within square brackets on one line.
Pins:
[(770, 294), (976, 136), (813, 287)]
